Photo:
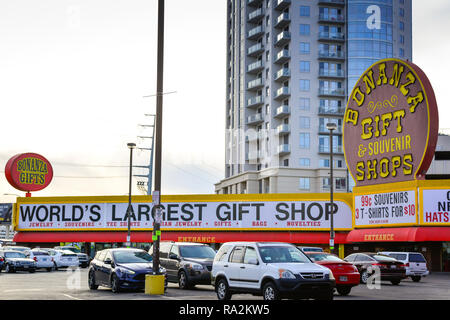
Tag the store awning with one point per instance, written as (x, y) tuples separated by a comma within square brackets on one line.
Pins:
[(411, 234), (205, 237)]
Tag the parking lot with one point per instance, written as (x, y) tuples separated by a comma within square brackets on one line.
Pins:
[(72, 284)]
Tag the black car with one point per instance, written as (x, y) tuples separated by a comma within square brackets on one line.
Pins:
[(366, 262), (187, 264), (17, 261), (121, 268)]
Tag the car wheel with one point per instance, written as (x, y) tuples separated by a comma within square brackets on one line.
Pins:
[(343, 291), (395, 282), (270, 292), (416, 278), (91, 281), (364, 276), (8, 269), (115, 285), (183, 282), (222, 290)]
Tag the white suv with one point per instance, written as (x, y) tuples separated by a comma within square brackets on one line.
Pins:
[(415, 263), (273, 270)]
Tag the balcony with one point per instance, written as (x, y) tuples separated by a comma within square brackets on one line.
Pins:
[(283, 20), (339, 3), (282, 74), (255, 119), (339, 55), (255, 84), (326, 149), (283, 129), (255, 67), (282, 93), (255, 16), (283, 38), (332, 36), (331, 18), (282, 4), (332, 92), (284, 149), (255, 101), (330, 111), (255, 50), (282, 111), (282, 56), (325, 73), (255, 33), (254, 3)]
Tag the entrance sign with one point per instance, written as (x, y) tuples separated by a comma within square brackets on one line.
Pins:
[(397, 208), (210, 213), (390, 124), (29, 172)]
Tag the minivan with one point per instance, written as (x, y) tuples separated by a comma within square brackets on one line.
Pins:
[(415, 263)]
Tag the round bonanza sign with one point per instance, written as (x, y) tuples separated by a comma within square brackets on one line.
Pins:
[(29, 172), (390, 124)]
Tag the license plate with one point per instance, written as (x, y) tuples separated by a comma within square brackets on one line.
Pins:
[(393, 267), (45, 259), (343, 278), (70, 259), (26, 267)]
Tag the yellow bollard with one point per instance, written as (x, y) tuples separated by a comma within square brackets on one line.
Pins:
[(154, 284)]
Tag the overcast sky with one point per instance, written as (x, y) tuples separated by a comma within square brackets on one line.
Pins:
[(73, 74)]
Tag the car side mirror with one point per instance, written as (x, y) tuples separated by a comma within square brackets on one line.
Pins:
[(173, 256), (108, 261), (253, 261)]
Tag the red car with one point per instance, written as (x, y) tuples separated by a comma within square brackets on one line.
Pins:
[(346, 274)]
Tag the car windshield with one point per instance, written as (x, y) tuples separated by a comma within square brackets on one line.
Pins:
[(125, 256), (324, 257), (201, 252), (416, 257), (282, 254), (14, 255), (380, 257)]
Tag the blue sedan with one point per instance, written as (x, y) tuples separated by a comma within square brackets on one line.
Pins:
[(121, 268)]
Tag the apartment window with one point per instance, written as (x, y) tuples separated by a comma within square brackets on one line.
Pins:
[(401, 52), (305, 162), (305, 48), (401, 12), (304, 103), (304, 140), (326, 183), (401, 1), (267, 109), (401, 25), (304, 184), (286, 163), (305, 29), (304, 11), (402, 39), (304, 85), (305, 66), (305, 123), (341, 183)]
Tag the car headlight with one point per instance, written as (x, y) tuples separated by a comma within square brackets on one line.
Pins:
[(127, 271), (195, 266), (286, 274)]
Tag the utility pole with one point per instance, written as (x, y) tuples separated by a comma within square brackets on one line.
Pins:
[(158, 148), (149, 175)]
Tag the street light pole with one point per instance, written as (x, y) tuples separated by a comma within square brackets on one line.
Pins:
[(131, 146), (331, 126), (158, 138)]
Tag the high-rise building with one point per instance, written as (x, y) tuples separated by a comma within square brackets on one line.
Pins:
[(290, 67)]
